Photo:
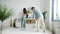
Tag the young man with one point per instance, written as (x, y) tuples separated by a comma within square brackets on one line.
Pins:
[(39, 19)]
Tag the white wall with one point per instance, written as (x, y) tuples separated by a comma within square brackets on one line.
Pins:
[(18, 5), (45, 6)]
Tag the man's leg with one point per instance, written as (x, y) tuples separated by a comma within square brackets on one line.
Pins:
[(38, 22), (37, 25), (43, 24)]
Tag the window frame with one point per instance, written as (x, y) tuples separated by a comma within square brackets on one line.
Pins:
[(53, 12)]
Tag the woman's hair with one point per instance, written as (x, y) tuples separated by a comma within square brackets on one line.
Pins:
[(24, 11)]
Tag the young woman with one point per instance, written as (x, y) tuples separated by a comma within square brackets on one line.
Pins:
[(23, 20)]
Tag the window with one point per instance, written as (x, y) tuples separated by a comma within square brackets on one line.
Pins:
[(56, 10)]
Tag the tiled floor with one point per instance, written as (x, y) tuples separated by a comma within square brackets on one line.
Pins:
[(0, 32), (20, 31)]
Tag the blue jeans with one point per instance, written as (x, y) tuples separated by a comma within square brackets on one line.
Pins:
[(23, 21)]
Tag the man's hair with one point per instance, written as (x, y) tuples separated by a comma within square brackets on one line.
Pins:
[(32, 8)]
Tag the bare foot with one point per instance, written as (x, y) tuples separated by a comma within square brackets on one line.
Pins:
[(37, 31), (44, 31)]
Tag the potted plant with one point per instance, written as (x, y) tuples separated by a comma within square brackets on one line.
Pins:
[(44, 14), (4, 13)]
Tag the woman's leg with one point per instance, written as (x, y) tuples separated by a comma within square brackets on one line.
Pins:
[(22, 22)]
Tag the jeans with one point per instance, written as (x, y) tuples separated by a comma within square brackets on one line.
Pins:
[(23, 21)]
